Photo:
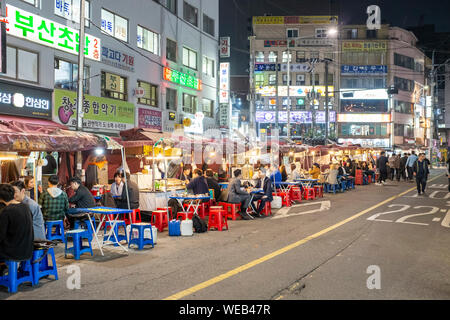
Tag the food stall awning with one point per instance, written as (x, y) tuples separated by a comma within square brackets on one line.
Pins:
[(27, 134), (139, 134)]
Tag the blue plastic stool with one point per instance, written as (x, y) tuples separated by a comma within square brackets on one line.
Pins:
[(78, 249), (16, 277), (332, 187), (59, 230), (120, 237), (365, 180), (351, 184), (140, 241), (41, 268), (343, 185), (85, 224)]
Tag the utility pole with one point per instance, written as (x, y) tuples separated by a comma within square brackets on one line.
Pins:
[(81, 69), (252, 88)]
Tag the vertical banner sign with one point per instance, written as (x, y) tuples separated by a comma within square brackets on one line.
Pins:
[(225, 47), (2, 48), (224, 87)]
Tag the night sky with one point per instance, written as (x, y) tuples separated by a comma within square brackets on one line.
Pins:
[(234, 15)]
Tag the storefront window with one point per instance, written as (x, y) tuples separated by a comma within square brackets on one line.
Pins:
[(189, 103), (66, 76), (364, 105), (363, 129), (22, 64), (403, 107), (150, 97), (114, 86)]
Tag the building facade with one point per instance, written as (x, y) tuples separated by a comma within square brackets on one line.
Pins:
[(371, 62), (149, 65), (307, 43)]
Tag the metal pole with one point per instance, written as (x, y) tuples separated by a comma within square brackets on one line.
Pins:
[(81, 68), (288, 97), (433, 86), (122, 151), (326, 101)]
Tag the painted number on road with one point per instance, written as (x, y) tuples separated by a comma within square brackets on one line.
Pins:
[(432, 211), (375, 216)]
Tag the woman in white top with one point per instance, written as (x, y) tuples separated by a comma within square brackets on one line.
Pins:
[(117, 186)]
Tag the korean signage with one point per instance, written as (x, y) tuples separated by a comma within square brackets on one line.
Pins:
[(371, 143), (117, 59), (99, 113), (112, 82), (182, 78), (278, 43), (313, 42), (223, 115), (296, 116), (295, 67), (24, 101), (346, 69), (364, 117), (224, 86), (294, 91), (150, 119), (357, 94), (225, 47), (29, 26), (294, 20), (70, 9), (172, 116), (364, 46)]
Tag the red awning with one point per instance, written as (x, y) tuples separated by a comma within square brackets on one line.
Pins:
[(26, 134)]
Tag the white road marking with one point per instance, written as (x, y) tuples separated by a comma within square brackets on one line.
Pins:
[(438, 186), (443, 210), (436, 219), (283, 212), (446, 221)]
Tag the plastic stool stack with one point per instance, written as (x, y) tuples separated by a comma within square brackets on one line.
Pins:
[(231, 209), (141, 240), (309, 194), (78, 249), (59, 230), (159, 220)]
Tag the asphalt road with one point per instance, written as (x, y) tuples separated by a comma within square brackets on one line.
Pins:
[(374, 242)]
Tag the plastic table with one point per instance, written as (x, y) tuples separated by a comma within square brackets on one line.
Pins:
[(194, 201), (223, 185), (307, 183), (105, 212)]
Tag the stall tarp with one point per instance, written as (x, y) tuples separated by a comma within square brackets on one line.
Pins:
[(27, 134)]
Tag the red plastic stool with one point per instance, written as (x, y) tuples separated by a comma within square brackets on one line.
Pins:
[(267, 210), (135, 217), (309, 194), (215, 208), (318, 191), (285, 198), (296, 194), (159, 219), (185, 215), (370, 178), (217, 220), (231, 209), (165, 209)]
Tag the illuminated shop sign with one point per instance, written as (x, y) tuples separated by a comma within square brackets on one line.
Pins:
[(182, 79), (32, 27), (356, 94), (370, 143), (294, 91), (296, 116), (363, 117), (347, 69)]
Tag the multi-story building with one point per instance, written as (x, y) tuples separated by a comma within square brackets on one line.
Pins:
[(308, 44), (372, 61), (150, 64)]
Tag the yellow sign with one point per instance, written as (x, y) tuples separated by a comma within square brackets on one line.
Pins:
[(295, 20), (364, 46), (178, 126), (112, 82), (187, 122)]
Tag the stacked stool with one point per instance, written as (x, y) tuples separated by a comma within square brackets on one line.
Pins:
[(231, 209)]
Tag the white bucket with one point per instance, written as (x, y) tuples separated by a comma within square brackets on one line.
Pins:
[(276, 202), (187, 228)]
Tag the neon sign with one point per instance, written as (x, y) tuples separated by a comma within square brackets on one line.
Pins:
[(182, 78)]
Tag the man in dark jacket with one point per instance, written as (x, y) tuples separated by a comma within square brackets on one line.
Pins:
[(403, 166), (16, 227), (198, 184), (236, 195), (212, 184), (266, 194), (421, 172), (133, 193), (382, 168), (83, 197)]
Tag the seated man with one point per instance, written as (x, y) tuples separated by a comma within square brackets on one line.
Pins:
[(198, 183), (38, 220), (54, 201), (16, 228), (236, 195), (266, 194), (212, 184), (133, 194), (83, 198)]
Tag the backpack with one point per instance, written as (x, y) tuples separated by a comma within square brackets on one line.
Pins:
[(199, 225)]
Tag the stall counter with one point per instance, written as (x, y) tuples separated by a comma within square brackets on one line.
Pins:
[(150, 200)]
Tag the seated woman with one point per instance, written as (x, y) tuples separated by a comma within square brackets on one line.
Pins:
[(332, 178), (367, 169), (315, 171)]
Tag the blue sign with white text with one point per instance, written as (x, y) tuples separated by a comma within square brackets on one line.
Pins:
[(347, 69)]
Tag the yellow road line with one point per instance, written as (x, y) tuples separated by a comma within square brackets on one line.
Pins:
[(269, 256)]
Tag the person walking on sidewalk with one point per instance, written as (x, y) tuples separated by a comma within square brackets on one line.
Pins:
[(392, 160), (403, 166), (421, 171), (382, 168), (409, 165)]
